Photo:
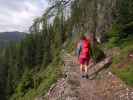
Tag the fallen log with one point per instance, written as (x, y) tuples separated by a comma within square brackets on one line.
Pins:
[(94, 69)]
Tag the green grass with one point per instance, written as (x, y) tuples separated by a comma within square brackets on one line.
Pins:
[(125, 74), (121, 65)]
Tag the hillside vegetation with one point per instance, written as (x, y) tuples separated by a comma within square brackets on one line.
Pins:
[(6, 38), (29, 68)]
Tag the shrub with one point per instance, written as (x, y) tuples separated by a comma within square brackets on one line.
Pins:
[(97, 54)]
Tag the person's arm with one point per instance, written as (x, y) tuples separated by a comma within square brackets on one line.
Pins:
[(78, 49), (77, 52)]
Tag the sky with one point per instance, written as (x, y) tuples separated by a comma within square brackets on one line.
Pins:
[(18, 15)]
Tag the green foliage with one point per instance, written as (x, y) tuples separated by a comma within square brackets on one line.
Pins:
[(126, 74), (115, 30), (125, 12), (70, 46), (123, 61), (39, 52), (47, 76), (34, 53), (118, 35), (97, 54), (25, 84), (113, 35)]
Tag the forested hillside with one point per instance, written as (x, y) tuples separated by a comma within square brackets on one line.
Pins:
[(7, 37), (29, 68)]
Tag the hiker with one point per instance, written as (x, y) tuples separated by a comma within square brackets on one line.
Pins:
[(83, 54)]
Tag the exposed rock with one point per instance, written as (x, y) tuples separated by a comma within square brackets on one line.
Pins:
[(97, 16)]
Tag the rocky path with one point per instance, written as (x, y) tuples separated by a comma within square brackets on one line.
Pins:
[(103, 86)]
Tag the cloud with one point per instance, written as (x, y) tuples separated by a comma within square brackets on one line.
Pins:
[(18, 15)]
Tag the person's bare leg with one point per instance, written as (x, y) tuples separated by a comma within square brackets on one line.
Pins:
[(86, 69), (81, 68)]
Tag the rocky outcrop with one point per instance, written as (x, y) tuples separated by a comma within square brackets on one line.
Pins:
[(96, 16)]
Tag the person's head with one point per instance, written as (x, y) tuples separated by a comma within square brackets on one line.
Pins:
[(87, 35), (90, 35)]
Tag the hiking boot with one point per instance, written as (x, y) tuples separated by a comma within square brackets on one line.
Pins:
[(83, 76), (87, 77)]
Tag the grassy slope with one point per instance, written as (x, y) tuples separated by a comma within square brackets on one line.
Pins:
[(122, 64)]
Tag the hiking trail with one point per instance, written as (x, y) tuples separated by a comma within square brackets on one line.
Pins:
[(103, 86)]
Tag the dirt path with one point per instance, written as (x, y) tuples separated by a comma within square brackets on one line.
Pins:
[(105, 86)]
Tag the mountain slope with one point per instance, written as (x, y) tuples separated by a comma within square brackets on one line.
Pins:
[(33, 65), (7, 37)]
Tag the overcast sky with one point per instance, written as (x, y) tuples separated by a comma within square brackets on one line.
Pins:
[(18, 15)]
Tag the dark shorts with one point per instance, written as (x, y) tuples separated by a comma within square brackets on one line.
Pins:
[(84, 61)]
